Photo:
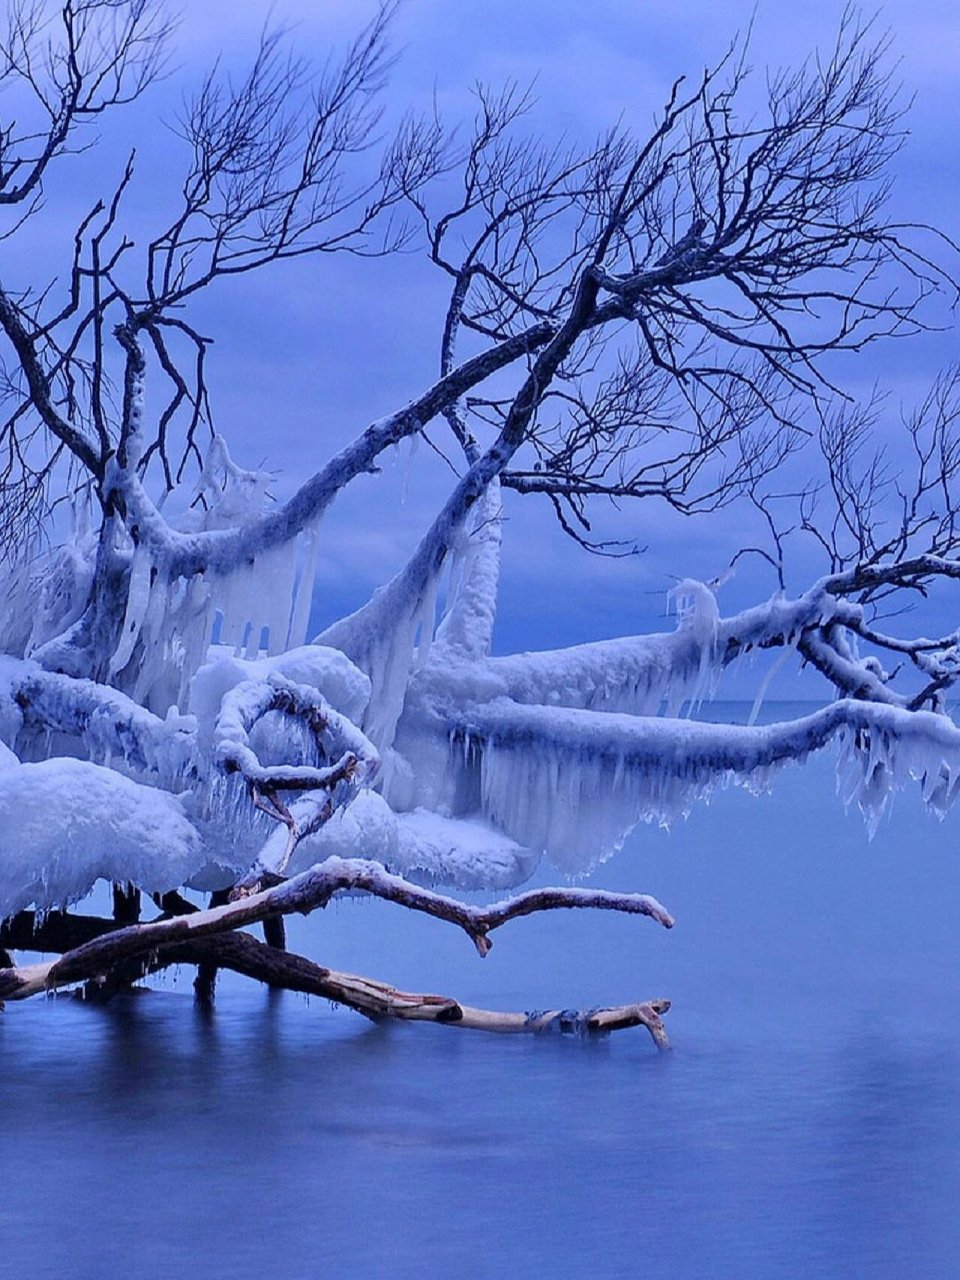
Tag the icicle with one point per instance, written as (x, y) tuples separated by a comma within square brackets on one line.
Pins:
[(304, 598), (424, 621), (698, 617), (774, 669), (155, 636), (408, 453), (234, 596), (276, 570), (142, 569), (471, 608)]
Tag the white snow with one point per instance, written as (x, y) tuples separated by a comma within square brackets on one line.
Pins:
[(366, 828), (327, 670), (64, 824), (489, 763), (466, 852)]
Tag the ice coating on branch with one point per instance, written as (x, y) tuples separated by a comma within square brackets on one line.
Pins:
[(67, 823), (574, 783), (467, 625), (645, 674), (536, 742), (335, 737), (82, 717), (270, 590), (329, 671), (392, 635), (169, 619), (387, 639), (44, 595)]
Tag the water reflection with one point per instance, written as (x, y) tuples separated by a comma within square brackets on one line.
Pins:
[(807, 1125)]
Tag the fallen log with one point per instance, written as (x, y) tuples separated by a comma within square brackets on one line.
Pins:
[(303, 894), (94, 950)]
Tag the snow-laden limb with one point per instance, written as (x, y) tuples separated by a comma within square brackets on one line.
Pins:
[(640, 675), (575, 809), (65, 824), (106, 724), (574, 783)]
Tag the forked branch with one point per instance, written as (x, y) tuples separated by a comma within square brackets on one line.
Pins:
[(303, 894), (86, 940)]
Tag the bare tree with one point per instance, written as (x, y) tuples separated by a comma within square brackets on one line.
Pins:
[(652, 318)]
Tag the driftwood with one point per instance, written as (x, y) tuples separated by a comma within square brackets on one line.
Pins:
[(106, 956)]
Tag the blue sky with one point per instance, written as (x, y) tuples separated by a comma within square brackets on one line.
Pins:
[(308, 354)]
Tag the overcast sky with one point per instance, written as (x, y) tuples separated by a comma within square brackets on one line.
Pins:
[(307, 355)]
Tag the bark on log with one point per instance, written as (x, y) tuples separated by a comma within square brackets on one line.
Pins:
[(380, 1001), (305, 893), (246, 955)]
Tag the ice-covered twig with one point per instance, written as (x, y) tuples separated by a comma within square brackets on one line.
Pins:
[(912, 570), (240, 709)]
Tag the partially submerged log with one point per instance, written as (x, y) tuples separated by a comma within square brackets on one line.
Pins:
[(106, 957)]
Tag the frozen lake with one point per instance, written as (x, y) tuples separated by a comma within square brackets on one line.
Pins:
[(807, 1123)]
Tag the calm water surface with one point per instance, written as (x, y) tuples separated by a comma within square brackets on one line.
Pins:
[(807, 1123)]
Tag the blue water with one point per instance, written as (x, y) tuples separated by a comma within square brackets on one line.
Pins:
[(807, 1123)]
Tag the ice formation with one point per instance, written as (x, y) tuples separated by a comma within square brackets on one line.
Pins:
[(68, 823), (397, 737)]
